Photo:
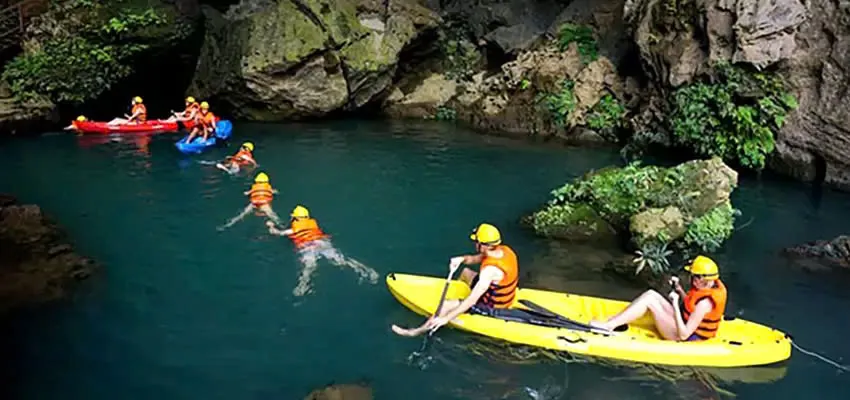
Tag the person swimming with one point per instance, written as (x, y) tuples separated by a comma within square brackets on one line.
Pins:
[(244, 156), (260, 195), (312, 243)]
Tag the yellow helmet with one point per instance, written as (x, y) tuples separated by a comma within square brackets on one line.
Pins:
[(261, 178), (248, 145), (137, 100), (81, 118), (704, 267), (205, 105), (300, 212), (486, 234), (190, 99)]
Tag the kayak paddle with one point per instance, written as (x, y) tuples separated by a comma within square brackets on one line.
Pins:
[(452, 269)]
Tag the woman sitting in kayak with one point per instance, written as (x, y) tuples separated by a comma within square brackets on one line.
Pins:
[(139, 113), (204, 122), (188, 114), (244, 156), (494, 286), (311, 244), (704, 305), (260, 195)]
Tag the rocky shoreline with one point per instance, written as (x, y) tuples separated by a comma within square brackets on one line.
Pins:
[(37, 263)]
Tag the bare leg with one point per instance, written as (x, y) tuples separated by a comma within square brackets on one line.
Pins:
[(192, 135), (661, 309), (267, 209), (448, 306), (309, 260), (336, 257), (237, 218), (117, 121)]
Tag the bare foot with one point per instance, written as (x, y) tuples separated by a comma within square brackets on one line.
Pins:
[(599, 325)]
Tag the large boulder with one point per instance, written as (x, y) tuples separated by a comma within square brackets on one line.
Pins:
[(687, 206), (30, 116), (270, 60), (36, 263)]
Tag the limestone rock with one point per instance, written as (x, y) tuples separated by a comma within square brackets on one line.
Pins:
[(292, 59), (433, 92), (342, 392), (835, 251), (650, 224), (36, 263)]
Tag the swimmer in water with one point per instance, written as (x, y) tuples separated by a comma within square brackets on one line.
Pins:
[(261, 195), (311, 244), (244, 156)]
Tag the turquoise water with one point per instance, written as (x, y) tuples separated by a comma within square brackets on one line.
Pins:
[(181, 310)]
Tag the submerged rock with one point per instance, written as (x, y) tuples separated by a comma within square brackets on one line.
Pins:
[(835, 251), (342, 392), (36, 263), (303, 58), (687, 205)]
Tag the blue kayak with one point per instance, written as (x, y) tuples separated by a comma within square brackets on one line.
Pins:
[(223, 130)]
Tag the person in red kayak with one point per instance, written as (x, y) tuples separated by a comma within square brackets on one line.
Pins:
[(188, 114), (204, 122), (139, 113), (312, 243), (260, 196), (73, 125), (243, 157)]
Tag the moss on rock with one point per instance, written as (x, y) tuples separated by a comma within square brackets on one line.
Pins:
[(687, 205)]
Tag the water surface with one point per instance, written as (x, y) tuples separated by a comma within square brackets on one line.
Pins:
[(183, 311)]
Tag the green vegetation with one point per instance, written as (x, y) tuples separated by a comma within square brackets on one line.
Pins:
[(445, 114), (685, 208), (606, 117), (560, 105), (460, 56), (708, 232), (584, 39), (735, 116), (95, 48)]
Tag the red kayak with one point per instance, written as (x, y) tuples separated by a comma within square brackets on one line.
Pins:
[(154, 125)]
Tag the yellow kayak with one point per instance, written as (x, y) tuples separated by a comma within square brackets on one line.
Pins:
[(557, 321)]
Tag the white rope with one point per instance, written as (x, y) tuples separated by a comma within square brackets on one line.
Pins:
[(822, 358)]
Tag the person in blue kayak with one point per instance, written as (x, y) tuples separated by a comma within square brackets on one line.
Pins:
[(704, 305), (494, 286), (204, 123)]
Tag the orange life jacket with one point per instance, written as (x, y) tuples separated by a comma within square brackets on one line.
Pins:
[(261, 194), (502, 293), (305, 230), (708, 327), (208, 119), (191, 107), (144, 112), (242, 157)]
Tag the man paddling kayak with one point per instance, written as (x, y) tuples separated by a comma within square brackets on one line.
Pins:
[(311, 244), (494, 286), (137, 114), (704, 306)]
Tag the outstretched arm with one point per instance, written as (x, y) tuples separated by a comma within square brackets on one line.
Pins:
[(274, 231)]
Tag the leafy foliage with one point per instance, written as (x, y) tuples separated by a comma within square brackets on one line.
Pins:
[(606, 117), (584, 39), (708, 232), (80, 65), (445, 114), (460, 56), (560, 105), (655, 256), (735, 117)]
